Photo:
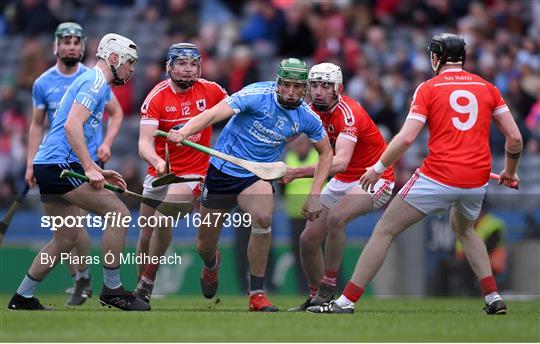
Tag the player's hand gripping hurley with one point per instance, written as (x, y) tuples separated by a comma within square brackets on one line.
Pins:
[(263, 170)]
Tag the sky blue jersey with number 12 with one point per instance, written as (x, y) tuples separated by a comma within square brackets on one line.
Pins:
[(91, 90), (261, 127)]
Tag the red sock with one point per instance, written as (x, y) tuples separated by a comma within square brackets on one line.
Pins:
[(150, 271), (313, 291), (330, 277), (353, 292), (488, 285)]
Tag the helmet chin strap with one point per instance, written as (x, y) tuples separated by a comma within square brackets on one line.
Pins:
[(116, 81), (183, 84)]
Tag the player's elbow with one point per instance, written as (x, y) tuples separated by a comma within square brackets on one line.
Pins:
[(69, 127), (406, 140), (515, 140), (339, 166)]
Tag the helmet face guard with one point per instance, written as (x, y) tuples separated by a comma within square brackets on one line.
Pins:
[(69, 29), (449, 49), (294, 71), (125, 48), (186, 51), (326, 73)]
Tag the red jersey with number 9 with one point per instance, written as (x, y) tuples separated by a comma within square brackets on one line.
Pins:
[(168, 109), (458, 107)]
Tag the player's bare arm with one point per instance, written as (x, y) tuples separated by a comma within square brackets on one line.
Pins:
[(340, 161), (513, 147), (396, 148), (116, 115), (208, 117), (78, 115), (312, 207), (147, 149), (35, 135)]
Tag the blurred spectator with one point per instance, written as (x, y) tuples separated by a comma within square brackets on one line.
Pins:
[(334, 43), (34, 61), (183, 19), (262, 26), (533, 125), (31, 17), (242, 70), (296, 38)]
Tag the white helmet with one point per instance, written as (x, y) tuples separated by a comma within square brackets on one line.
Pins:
[(115, 43), (326, 72)]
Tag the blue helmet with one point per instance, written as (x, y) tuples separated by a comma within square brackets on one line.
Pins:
[(184, 51)]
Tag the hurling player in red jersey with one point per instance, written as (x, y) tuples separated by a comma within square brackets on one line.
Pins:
[(170, 104), (357, 144), (458, 107)]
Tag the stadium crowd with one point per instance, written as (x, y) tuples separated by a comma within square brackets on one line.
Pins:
[(381, 45)]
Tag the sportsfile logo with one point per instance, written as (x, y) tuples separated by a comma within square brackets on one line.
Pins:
[(111, 219), (117, 220)]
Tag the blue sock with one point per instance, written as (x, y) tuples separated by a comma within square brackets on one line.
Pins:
[(82, 274), (111, 277), (28, 286)]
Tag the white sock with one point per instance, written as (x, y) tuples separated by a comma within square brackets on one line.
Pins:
[(492, 298), (28, 286), (342, 301)]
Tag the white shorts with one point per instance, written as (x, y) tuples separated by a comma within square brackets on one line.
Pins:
[(160, 192), (335, 190), (430, 196)]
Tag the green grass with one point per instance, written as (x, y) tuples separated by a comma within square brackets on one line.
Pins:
[(192, 318)]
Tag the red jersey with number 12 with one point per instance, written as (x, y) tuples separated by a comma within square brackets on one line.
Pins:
[(458, 107), (349, 120), (168, 109)]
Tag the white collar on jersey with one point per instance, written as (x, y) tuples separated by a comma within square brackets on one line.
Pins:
[(451, 70)]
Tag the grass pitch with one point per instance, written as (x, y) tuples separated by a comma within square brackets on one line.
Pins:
[(192, 318)]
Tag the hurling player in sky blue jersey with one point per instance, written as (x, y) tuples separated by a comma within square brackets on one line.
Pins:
[(48, 90), (74, 127), (265, 116)]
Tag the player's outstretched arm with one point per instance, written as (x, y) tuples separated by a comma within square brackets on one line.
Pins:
[(35, 136), (218, 113), (340, 161), (396, 148), (513, 146), (116, 115)]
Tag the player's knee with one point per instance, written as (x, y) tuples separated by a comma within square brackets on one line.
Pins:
[(204, 247), (307, 242), (262, 220), (66, 242), (145, 235), (335, 222)]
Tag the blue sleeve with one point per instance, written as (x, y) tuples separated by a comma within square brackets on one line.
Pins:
[(243, 101), (313, 126), (38, 99), (88, 95)]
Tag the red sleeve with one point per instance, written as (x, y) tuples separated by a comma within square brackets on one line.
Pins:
[(499, 105), (150, 113), (420, 105)]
